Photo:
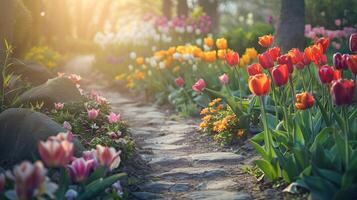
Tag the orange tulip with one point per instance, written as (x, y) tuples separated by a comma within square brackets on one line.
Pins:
[(304, 101), (324, 42), (140, 61), (221, 43), (315, 53), (351, 61), (208, 41), (266, 40), (259, 84)]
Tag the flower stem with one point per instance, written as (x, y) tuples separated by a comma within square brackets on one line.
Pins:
[(239, 87), (265, 124), (344, 111)]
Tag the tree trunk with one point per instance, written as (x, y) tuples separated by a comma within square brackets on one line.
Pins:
[(210, 7), (290, 31), (182, 8), (7, 22), (166, 8)]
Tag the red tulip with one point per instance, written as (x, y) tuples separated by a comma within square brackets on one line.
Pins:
[(79, 169), (286, 60), (199, 86), (254, 69), (339, 61), (296, 56), (342, 91), (179, 81), (259, 84), (353, 42), (108, 156), (306, 60), (324, 42), (351, 61), (266, 40), (55, 153), (224, 79), (304, 101), (265, 60), (326, 74), (274, 53), (232, 58), (280, 75)]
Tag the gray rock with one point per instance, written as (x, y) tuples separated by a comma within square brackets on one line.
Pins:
[(192, 172), (21, 130), (53, 91), (169, 160), (216, 157), (32, 72), (216, 185), (180, 187), (165, 146), (216, 194), (146, 195), (157, 186), (167, 139)]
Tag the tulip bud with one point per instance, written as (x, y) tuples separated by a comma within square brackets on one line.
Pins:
[(266, 40), (342, 92), (199, 86), (326, 74), (324, 42), (93, 113), (304, 101), (275, 53), (339, 61), (254, 69), (265, 60), (179, 81), (224, 79), (259, 84), (353, 42), (108, 156), (280, 75), (232, 58), (55, 153), (351, 62), (286, 60), (79, 169)]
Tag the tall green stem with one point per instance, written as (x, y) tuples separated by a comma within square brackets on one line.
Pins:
[(344, 110), (239, 87), (265, 124)]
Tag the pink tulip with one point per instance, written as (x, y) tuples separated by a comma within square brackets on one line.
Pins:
[(336, 45), (91, 155), (101, 100), (338, 22), (113, 118), (59, 106), (55, 153), (68, 136), (108, 156), (28, 178), (93, 113), (79, 169), (224, 79), (93, 94), (67, 125), (2, 182), (199, 86), (75, 78), (179, 81)]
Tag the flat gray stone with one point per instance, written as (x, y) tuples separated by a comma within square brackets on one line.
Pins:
[(157, 186), (216, 185), (178, 128), (167, 139), (216, 157), (165, 146), (146, 196), (180, 187), (169, 160), (217, 194), (193, 172)]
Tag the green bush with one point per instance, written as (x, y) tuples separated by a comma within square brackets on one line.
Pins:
[(240, 38)]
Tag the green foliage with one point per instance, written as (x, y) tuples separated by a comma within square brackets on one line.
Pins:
[(241, 38)]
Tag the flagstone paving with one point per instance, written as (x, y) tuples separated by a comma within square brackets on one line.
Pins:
[(183, 163)]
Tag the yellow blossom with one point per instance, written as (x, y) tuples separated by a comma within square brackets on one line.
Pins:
[(221, 43), (208, 41), (221, 54), (140, 61), (210, 56)]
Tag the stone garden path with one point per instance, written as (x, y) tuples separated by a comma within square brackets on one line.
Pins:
[(183, 165)]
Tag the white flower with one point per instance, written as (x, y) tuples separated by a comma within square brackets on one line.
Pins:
[(198, 31), (206, 48), (194, 67), (94, 126), (199, 41), (162, 65), (131, 67), (133, 55), (189, 29)]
